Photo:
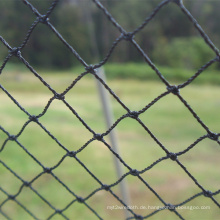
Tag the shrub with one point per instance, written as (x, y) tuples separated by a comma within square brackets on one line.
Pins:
[(187, 53)]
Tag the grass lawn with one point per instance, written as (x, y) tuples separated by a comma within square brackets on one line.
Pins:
[(168, 119)]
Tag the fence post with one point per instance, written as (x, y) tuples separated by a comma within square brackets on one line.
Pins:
[(106, 105)]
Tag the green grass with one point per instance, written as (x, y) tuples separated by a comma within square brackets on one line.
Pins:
[(141, 71), (168, 120)]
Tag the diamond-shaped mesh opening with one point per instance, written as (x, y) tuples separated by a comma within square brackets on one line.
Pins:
[(34, 203), (96, 156), (134, 140), (202, 162), (46, 184), (181, 48), (69, 25), (31, 143), (92, 13), (15, 157), (128, 89), (174, 135), (84, 100), (142, 198), (71, 137), (209, 112), (51, 44), (16, 82), (171, 187), (14, 210), (76, 177)]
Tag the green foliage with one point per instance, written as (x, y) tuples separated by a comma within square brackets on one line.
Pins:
[(186, 53), (44, 49), (169, 38)]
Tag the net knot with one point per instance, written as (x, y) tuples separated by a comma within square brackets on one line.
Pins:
[(71, 153), (170, 207), (33, 118), (58, 211), (207, 193), (12, 137), (134, 172), (26, 183), (174, 89), (11, 197), (213, 136), (59, 96), (172, 156), (128, 36), (133, 114), (15, 51), (47, 170), (98, 137), (105, 187), (80, 199), (43, 19), (138, 217), (90, 69)]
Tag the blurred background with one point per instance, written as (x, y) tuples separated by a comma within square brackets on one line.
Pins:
[(178, 51), (169, 40)]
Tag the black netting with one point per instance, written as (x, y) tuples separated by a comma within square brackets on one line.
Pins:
[(135, 115)]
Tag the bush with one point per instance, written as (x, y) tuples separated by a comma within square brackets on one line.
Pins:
[(187, 53)]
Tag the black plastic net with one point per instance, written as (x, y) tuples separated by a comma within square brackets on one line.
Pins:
[(135, 115)]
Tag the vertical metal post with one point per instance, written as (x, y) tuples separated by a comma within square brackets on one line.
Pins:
[(106, 105)]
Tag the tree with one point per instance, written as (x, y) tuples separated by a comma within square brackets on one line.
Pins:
[(44, 49)]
